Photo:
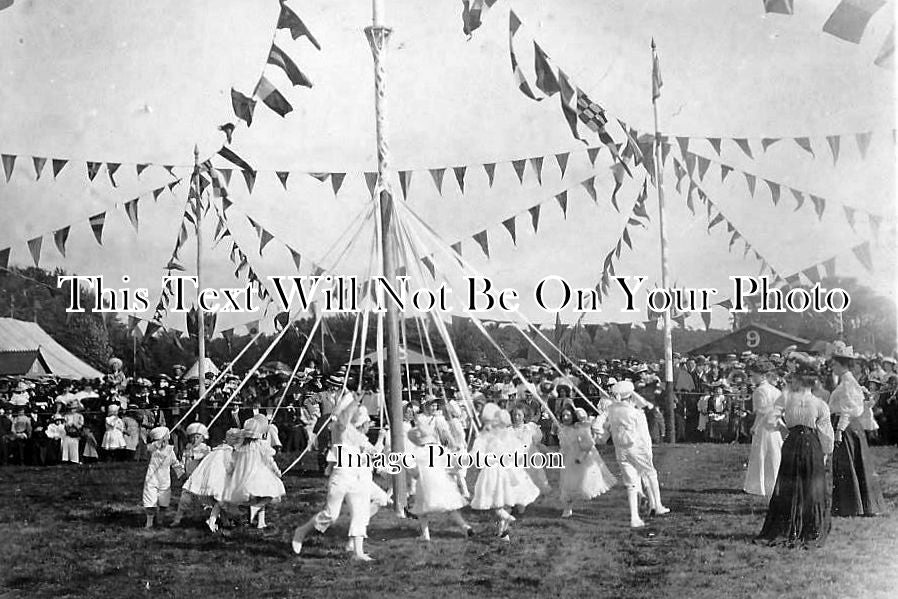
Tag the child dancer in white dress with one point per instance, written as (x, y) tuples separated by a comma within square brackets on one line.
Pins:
[(207, 483), (453, 430), (497, 487), (350, 481), (529, 438), (254, 479), (114, 437), (157, 483), (585, 475), (194, 453), (629, 430), (437, 491)]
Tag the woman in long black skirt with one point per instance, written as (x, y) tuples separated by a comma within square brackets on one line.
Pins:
[(798, 513), (856, 490)]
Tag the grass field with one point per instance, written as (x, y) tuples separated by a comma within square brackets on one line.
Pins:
[(72, 531)]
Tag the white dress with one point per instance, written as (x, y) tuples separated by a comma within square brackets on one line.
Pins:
[(114, 437), (585, 474), (254, 475), (157, 483), (436, 490), (529, 438), (629, 430), (497, 486), (766, 442), (193, 455), (210, 476)]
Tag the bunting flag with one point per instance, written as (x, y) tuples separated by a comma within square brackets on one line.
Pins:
[(111, 167), (271, 97), (715, 143), (537, 164), (371, 182), (886, 56), (819, 205), (429, 265), (34, 246), (509, 225), (562, 159), (703, 164), (862, 253), (282, 177), (250, 178), (783, 7), (590, 186), (482, 240), (97, 222), (724, 171), (229, 155), (92, 169), (131, 211), (472, 14), (9, 162), (743, 145), (850, 18), (617, 172), (805, 144), (460, 177), (624, 328), (768, 141), (562, 201), (514, 23), (289, 20), (437, 175), (405, 179), (337, 182), (490, 168), (279, 58), (833, 141), (546, 80), (534, 217), (38, 166), (456, 247), (519, 166), (58, 165), (60, 237), (706, 319), (774, 191), (863, 142), (849, 216), (243, 106), (592, 153)]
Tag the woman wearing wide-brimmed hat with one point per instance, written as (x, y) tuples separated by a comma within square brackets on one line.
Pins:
[(856, 489), (798, 513)]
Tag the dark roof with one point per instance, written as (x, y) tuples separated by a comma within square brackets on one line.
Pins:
[(22, 362), (766, 341)]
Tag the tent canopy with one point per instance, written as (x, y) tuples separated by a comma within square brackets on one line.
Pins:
[(21, 336), (410, 356), (757, 338), (193, 373)]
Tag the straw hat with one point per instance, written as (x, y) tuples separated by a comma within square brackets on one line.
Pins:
[(159, 433), (254, 429), (840, 350), (623, 389), (197, 428)]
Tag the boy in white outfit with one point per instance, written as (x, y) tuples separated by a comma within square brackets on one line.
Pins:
[(629, 430)]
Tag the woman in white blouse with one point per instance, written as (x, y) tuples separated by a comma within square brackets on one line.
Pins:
[(798, 514), (856, 490)]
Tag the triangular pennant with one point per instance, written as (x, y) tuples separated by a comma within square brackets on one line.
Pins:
[(38, 166), (232, 157), (665, 150), (297, 258), (805, 144), (271, 97), (617, 249), (680, 172), (819, 205), (618, 170), (509, 225), (715, 143), (689, 201), (592, 153), (734, 238), (482, 240), (34, 246), (97, 222), (562, 201), (799, 197), (225, 204), (170, 169), (812, 274), (703, 164), (886, 56), (371, 182), (243, 106), (141, 168), (282, 177), (226, 174), (250, 178), (111, 167), (490, 168), (405, 178), (562, 159), (774, 191), (690, 160), (743, 145), (706, 319), (626, 237), (683, 142), (460, 176), (279, 58), (750, 180), (862, 252), (290, 20), (725, 170), (131, 211), (437, 174), (875, 222), (58, 165), (456, 247), (429, 265), (546, 80), (337, 182), (849, 216), (829, 267), (590, 186), (534, 217), (264, 238), (519, 166), (833, 141), (60, 237), (863, 142), (537, 164), (321, 177), (9, 162), (92, 169), (768, 141), (716, 220)]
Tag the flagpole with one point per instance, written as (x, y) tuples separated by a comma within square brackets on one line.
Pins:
[(201, 321), (378, 35), (665, 267)]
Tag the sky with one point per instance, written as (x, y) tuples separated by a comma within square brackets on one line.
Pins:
[(142, 82)]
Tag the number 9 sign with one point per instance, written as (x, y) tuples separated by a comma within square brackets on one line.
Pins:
[(752, 339)]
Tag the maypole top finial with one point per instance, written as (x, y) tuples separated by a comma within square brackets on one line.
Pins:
[(196, 152), (653, 42)]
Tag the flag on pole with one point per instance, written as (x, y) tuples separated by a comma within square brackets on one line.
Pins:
[(656, 74), (850, 18)]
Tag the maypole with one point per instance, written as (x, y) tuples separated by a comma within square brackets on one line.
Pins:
[(200, 320), (378, 35), (665, 268)]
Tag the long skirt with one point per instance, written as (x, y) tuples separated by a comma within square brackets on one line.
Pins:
[(798, 513), (763, 462), (856, 490)]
